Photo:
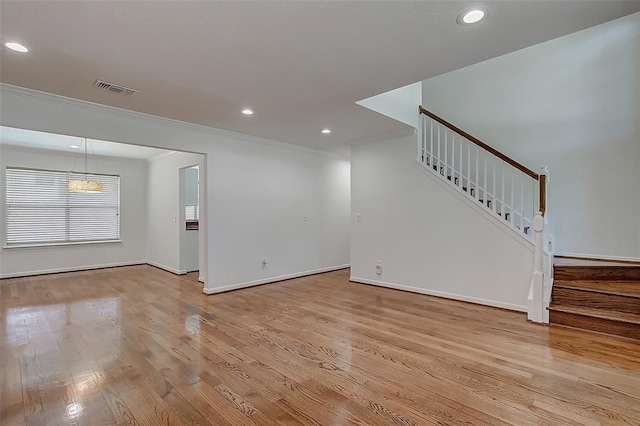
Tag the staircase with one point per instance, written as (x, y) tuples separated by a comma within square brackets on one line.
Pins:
[(499, 186), (591, 295), (597, 296)]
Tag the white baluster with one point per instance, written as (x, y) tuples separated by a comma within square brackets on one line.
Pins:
[(438, 165), (477, 191), (468, 165), (502, 203), (423, 133), (460, 175), (513, 201), (533, 199), (484, 182), (421, 153), (446, 157), (431, 151), (493, 202), (453, 159), (522, 203)]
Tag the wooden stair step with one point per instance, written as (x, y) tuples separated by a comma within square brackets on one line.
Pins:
[(583, 261), (622, 324), (595, 298), (596, 272), (598, 313), (620, 288)]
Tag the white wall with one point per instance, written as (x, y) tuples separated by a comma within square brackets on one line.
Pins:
[(573, 104), (400, 104), (133, 231), (189, 239), (429, 238), (257, 190), (263, 195), (189, 250), (166, 233)]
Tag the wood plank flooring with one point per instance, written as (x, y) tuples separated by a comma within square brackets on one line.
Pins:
[(138, 345)]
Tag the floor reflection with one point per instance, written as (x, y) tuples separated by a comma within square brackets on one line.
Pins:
[(140, 345)]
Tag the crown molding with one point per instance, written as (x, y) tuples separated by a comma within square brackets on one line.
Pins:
[(164, 154)]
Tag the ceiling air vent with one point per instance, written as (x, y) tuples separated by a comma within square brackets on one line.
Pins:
[(114, 88)]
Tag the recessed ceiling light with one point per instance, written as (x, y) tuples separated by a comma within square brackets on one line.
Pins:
[(247, 111), (471, 16), (74, 146), (17, 47), (326, 131)]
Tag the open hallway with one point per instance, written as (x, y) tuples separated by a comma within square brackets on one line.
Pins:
[(137, 345)]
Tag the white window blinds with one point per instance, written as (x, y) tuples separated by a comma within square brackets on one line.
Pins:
[(42, 210), (191, 212)]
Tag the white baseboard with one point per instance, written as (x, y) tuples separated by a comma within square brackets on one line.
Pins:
[(201, 279), (477, 300), (600, 256), (215, 290), (71, 269), (166, 268)]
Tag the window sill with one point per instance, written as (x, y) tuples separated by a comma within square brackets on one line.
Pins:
[(70, 243)]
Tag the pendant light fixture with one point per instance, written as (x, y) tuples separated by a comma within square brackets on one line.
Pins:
[(90, 186)]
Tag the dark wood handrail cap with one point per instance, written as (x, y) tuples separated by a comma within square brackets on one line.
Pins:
[(481, 144)]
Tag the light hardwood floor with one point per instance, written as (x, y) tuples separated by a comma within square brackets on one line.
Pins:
[(138, 345)]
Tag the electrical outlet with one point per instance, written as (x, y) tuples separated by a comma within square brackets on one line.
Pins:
[(379, 267), (305, 218), (358, 217)]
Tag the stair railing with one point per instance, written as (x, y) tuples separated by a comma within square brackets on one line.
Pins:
[(501, 185)]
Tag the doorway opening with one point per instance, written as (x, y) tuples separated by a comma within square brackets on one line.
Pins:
[(189, 179)]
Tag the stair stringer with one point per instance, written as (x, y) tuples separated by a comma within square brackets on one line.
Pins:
[(478, 207)]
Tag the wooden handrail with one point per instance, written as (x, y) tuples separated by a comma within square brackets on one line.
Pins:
[(484, 146)]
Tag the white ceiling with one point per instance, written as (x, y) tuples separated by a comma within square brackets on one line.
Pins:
[(41, 140), (300, 65)]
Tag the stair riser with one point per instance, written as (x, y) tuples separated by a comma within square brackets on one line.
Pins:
[(617, 328), (610, 273), (572, 297)]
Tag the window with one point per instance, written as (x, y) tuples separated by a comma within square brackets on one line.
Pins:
[(191, 212), (41, 210)]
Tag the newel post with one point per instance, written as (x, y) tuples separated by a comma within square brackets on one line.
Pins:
[(536, 308), (419, 132)]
